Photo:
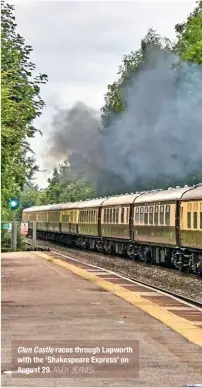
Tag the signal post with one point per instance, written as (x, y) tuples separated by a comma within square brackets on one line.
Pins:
[(13, 204)]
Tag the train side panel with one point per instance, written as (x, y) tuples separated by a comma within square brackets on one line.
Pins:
[(42, 221), (32, 216), (54, 220), (88, 221), (191, 224), (115, 222), (155, 223), (69, 221)]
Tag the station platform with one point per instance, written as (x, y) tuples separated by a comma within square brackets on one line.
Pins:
[(46, 301)]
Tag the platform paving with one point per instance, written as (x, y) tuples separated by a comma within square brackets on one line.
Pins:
[(44, 302)]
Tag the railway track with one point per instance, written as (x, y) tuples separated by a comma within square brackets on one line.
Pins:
[(135, 281), (48, 244), (181, 292)]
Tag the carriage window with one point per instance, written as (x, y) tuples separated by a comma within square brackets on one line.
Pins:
[(141, 214), (200, 220), (117, 216), (181, 213), (189, 207), (196, 206), (110, 216), (167, 216), (137, 215), (151, 215), (146, 215), (161, 215), (107, 216), (114, 216), (122, 215), (156, 215), (195, 220), (188, 219), (127, 215)]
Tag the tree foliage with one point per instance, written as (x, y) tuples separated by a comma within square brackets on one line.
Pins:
[(21, 104), (189, 34), (30, 196), (67, 185)]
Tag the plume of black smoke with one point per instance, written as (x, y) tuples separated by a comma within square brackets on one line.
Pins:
[(75, 138), (75, 130), (159, 133)]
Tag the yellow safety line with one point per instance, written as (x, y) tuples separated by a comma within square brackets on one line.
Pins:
[(178, 324)]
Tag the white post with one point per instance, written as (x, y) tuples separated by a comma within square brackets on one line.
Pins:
[(33, 235), (14, 236)]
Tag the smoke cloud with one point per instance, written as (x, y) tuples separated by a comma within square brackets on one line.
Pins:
[(160, 131), (74, 130)]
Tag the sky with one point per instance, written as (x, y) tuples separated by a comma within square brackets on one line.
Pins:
[(80, 45)]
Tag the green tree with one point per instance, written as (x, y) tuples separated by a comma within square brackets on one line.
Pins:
[(67, 184), (21, 104), (189, 34), (30, 196)]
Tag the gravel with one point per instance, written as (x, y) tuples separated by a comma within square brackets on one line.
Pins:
[(169, 279)]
